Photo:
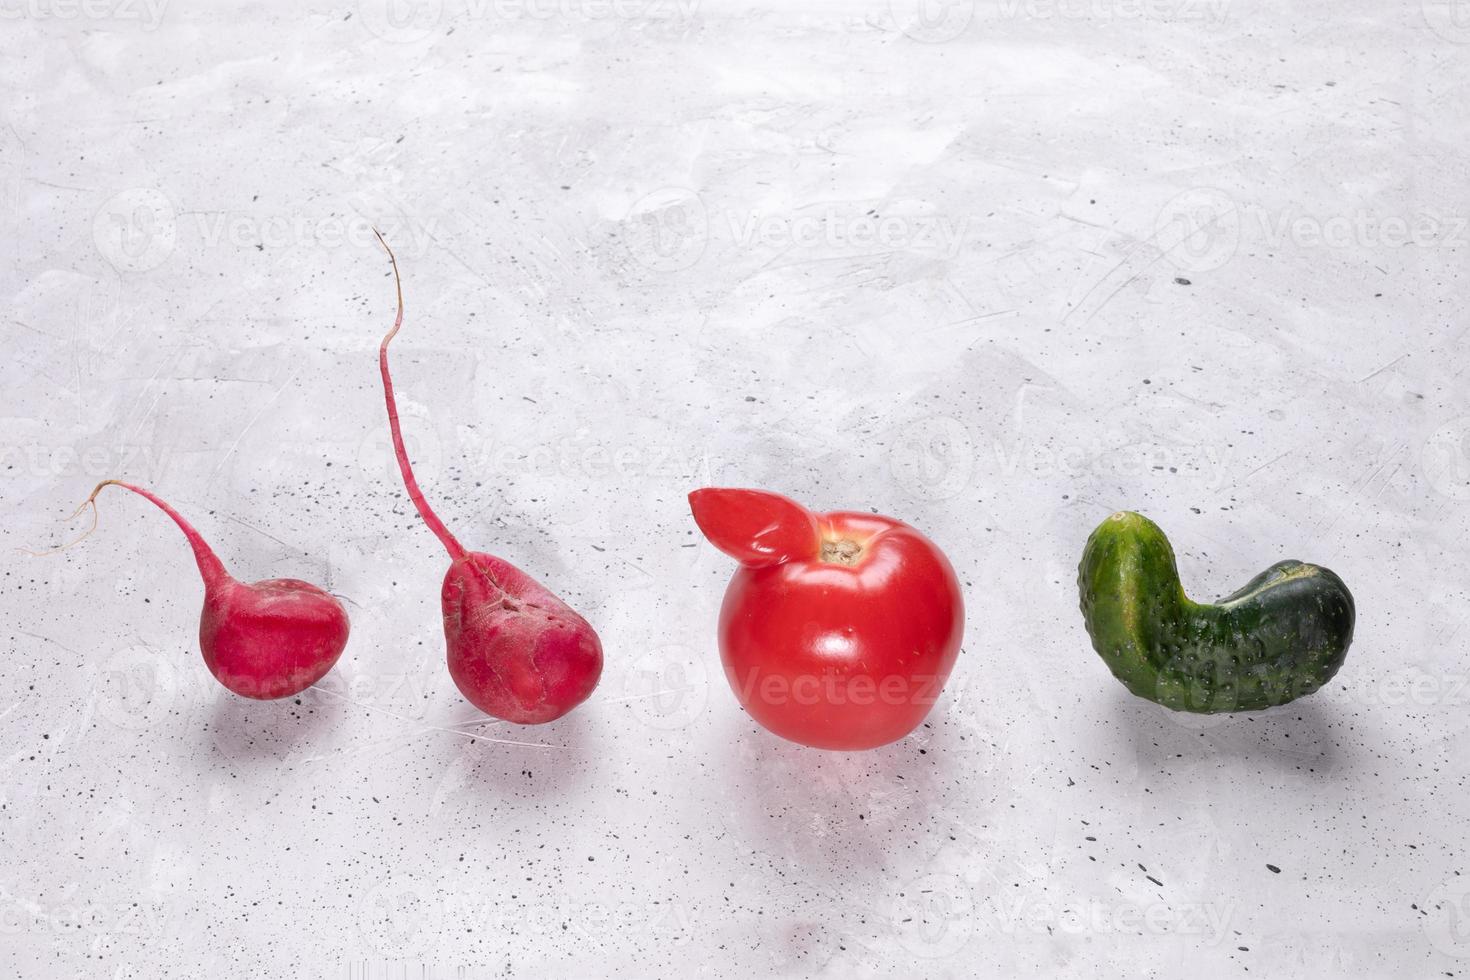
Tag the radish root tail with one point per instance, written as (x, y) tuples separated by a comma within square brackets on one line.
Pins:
[(209, 564), (451, 544), (90, 502)]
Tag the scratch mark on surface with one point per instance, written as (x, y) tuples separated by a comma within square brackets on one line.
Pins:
[(245, 524), (641, 697), (1373, 374), (47, 639), (248, 425), (143, 394), (1270, 462), (421, 730)]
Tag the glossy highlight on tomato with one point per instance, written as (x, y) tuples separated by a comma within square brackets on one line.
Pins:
[(839, 630)]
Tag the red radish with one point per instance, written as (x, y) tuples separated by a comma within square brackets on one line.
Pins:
[(264, 640), (516, 651)]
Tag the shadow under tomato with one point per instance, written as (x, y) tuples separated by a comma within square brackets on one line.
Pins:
[(834, 812)]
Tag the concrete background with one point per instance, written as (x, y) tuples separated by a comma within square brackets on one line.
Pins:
[(995, 269)]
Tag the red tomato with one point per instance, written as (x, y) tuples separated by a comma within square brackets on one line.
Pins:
[(839, 630)]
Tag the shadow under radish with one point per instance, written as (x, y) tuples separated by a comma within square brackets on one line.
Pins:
[(502, 760), (242, 730)]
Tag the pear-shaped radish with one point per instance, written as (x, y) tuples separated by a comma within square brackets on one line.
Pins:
[(516, 651), (268, 639)]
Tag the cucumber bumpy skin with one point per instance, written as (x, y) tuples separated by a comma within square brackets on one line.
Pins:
[(1280, 638)]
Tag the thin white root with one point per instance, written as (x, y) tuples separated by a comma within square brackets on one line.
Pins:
[(89, 502)]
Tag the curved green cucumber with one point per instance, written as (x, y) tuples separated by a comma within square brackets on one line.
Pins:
[(1280, 638)]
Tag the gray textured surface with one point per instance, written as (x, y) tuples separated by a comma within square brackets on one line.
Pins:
[(934, 272)]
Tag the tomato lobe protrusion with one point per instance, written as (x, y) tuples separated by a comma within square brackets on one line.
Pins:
[(839, 630), (756, 527)]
